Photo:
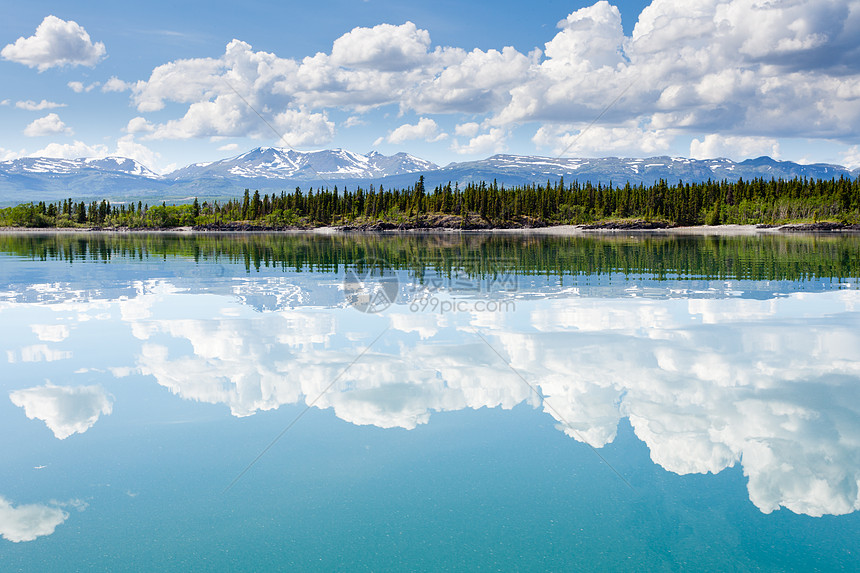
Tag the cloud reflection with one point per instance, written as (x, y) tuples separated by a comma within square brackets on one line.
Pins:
[(65, 410), (27, 522), (707, 383)]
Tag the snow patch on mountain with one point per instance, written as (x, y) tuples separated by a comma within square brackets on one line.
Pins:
[(82, 165), (273, 169), (323, 164)]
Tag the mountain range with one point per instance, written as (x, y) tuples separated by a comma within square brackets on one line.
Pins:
[(272, 169)]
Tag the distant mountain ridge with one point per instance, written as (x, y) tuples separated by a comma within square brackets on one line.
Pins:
[(52, 166), (278, 163), (272, 169)]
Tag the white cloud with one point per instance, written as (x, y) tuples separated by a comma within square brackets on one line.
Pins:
[(126, 146), (27, 522), (31, 105), (491, 142), (229, 116), (744, 69), (71, 150), (79, 87), (7, 154), (354, 121), (55, 43), (590, 38), (51, 124), (65, 410), (851, 158), (469, 129), (114, 84), (598, 140), (741, 68), (139, 125), (368, 67), (474, 82), (426, 129), (229, 147), (216, 110), (383, 48), (739, 148), (301, 127)]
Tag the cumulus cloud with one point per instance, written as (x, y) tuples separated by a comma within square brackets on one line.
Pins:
[(139, 125), (473, 82), (492, 141), (229, 116), (31, 105), (27, 522), (7, 154), (367, 68), (55, 43), (354, 121), (715, 145), (851, 158), (114, 84), (468, 129), (743, 68), (71, 150), (598, 140), (80, 87), (51, 124), (734, 74), (426, 129), (65, 410), (126, 146), (383, 47), (225, 95)]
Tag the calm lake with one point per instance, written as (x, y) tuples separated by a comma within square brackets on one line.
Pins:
[(429, 402)]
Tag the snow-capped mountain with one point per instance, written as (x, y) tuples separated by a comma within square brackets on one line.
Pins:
[(51, 166), (272, 169), (517, 169), (322, 165)]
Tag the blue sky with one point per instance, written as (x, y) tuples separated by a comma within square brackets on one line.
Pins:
[(175, 83)]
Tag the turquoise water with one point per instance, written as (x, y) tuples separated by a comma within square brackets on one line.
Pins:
[(519, 412)]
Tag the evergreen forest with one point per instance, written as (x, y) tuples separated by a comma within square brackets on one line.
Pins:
[(476, 205)]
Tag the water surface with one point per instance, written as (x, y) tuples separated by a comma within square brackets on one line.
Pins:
[(512, 402)]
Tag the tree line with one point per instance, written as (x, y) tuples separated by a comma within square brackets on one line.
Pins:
[(757, 201)]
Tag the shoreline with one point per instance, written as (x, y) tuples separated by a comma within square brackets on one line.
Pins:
[(557, 230)]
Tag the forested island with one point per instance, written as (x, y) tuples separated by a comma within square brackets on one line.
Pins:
[(832, 203)]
